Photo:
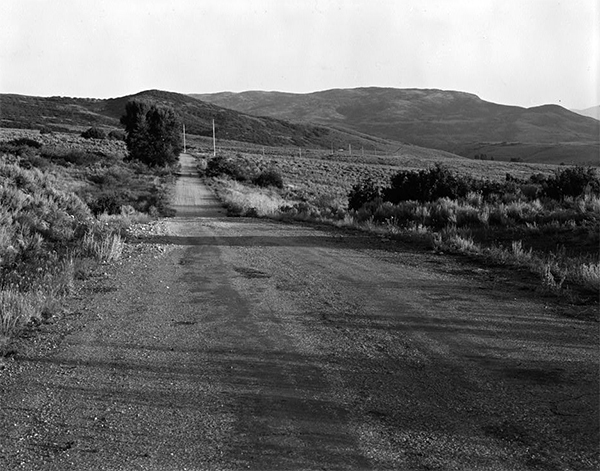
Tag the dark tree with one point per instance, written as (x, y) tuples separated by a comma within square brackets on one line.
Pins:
[(269, 177), (575, 182), (364, 192), (427, 185), (153, 135)]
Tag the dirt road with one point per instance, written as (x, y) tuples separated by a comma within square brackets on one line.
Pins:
[(251, 344)]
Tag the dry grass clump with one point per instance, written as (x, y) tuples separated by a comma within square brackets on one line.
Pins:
[(104, 247), (242, 200), (17, 309)]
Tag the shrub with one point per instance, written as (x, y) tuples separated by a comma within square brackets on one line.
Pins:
[(427, 185), (117, 135), (34, 161), (470, 216), (36, 219), (94, 133), (406, 186), (589, 274), (491, 190), (237, 169), (443, 213), (65, 157), (25, 141), (362, 193), (270, 177), (575, 182), (109, 203), (531, 191), (22, 147)]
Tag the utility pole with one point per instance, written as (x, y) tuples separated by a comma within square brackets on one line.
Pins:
[(184, 148), (214, 141)]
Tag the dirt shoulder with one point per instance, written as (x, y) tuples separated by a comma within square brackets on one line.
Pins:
[(221, 343)]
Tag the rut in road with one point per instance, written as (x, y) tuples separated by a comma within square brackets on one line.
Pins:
[(253, 344)]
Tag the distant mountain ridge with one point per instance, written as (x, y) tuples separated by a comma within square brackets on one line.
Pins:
[(454, 121), (64, 113), (592, 112), (373, 118)]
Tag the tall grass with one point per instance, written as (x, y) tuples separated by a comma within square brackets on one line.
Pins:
[(17, 309), (105, 247)]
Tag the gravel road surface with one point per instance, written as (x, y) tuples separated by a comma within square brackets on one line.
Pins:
[(236, 343)]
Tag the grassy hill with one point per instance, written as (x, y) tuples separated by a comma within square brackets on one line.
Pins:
[(76, 114), (453, 121)]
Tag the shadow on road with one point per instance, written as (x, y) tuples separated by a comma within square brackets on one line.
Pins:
[(296, 393), (264, 386), (258, 241)]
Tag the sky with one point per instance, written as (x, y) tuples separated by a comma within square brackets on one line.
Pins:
[(516, 52)]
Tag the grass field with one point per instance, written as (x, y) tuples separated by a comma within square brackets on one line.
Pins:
[(313, 172)]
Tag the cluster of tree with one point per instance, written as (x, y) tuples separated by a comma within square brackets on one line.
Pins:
[(439, 182), (153, 133)]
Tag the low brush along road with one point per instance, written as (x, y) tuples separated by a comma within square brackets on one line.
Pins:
[(239, 343)]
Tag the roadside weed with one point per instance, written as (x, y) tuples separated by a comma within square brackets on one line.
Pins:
[(552, 277), (17, 309), (104, 247)]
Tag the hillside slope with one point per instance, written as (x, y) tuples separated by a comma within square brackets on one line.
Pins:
[(63, 113), (453, 121)]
